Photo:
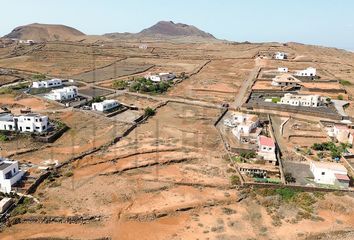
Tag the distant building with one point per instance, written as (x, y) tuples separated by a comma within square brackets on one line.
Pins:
[(301, 100), (105, 105), (245, 129), (47, 83), (9, 174), (66, 93), (280, 56), (342, 133), (283, 69), (27, 42), (266, 149), (330, 173), (143, 46), (286, 80), (30, 122), (308, 72), (161, 77)]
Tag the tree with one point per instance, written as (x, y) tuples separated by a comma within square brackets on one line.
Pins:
[(289, 178)]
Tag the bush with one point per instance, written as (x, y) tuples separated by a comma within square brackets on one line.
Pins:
[(149, 112), (120, 84), (345, 82), (340, 97), (235, 180), (276, 99), (248, 155), (69, 174), (98, 99), (289, 178), (3, 138)]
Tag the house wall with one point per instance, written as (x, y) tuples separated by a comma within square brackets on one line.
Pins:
[(5, 184), (325, 176)]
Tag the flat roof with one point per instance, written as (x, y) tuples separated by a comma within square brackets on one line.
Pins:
[(4, 165)]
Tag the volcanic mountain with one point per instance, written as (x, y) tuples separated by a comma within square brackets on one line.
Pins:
[(167, 29), (44, 32)]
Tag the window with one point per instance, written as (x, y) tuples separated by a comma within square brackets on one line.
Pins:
[(323, 173), (28, 128)]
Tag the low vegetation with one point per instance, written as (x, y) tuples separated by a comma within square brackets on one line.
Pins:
[(276, 99), (39, 77), (120, 84), (345, 82), (148, 112), (144, 85), (3, 138), (335, 151)]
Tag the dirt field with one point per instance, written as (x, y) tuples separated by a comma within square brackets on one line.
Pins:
[(169, 177)]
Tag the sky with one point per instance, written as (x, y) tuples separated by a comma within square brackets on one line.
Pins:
[(320, 22)]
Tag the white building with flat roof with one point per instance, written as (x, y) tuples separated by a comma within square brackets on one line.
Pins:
[(66, 93), (105, 105), (245, 126), (9, 174), (308, 72), (7, 122), (161, 77), (283, 69), (30, 122), (55, 82), (330, 173), (280, 55), (301, 100)]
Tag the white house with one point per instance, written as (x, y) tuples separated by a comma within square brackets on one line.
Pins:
[(330, 173), (47, 83), (161, 77), (245, 126), (280, 56), (105, 105), (7, 122), (283, 69), (66, 93), (9, 174), (301, 100), (308, 72), (266, 149), (342, 133), (285, 80), (30, 122)]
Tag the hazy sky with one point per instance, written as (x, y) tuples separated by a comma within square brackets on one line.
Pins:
[(322, 22)]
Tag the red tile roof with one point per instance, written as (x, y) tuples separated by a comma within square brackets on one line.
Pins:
[(342, 177), (266, 141)]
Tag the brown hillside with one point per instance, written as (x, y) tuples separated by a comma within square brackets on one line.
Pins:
[(44, 32)]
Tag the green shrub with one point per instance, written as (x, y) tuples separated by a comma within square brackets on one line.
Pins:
[(3, 138), (340, 97), (149, 112), (120, 84), (345, 82), (276, 99)]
